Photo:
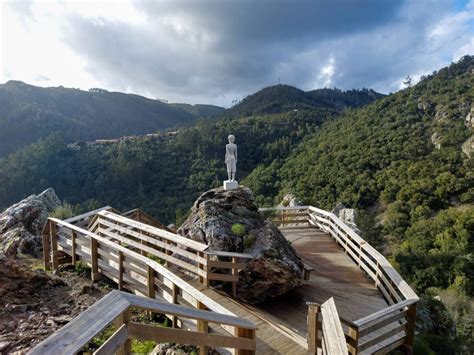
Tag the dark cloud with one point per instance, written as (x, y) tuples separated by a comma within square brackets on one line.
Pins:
[(215, 51)]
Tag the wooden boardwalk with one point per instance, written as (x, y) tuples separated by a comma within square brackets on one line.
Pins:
[(281, 322), (376, 307)]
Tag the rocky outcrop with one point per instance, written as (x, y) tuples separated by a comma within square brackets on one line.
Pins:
[(230, 221), (290, 200), (21, 224), (348, 215)]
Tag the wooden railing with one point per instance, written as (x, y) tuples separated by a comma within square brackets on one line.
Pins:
[(141, 216), (323, 320), (171, 249), (391, 327), (129, 269), (114, 308)]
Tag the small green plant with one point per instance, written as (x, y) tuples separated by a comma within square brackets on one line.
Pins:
[(142, 346), (82, 269), (248, 241), (63, 212), (238, 230)]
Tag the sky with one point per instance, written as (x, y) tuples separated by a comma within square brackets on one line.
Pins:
[(218, 51)]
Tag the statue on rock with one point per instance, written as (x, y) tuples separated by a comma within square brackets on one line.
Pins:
[(231, 162), (230, 221)]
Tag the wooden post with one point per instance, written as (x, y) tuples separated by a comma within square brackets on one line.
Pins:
[(204, 279), (354, 343), (73, 256), (126, 347), (174, 293), (202, 327), (410, 330), (313, 311), (46, 251), (244, 333), (235, 274), (94, 260), (151, 286), (168, 252), (54, 244), (120, 270)]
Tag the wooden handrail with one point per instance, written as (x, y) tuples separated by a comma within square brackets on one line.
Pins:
[(81, 330), (325, 320), (160, 269)]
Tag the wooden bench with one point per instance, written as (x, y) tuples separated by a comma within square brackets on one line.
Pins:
[(307, 271)]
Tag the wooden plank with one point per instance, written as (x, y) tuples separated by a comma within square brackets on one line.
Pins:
[(54, 244), (120, 271), (94, 260), (165, 335), (332, 329), (186, 312), (227, 264), (114, 342), (73, 252), (312, 336), (46, 250), (381, 322), (381, 337), (410, 331), (389, 310), (151, 282), (74, 219), (76, 334), (229, 254), (223, 277)]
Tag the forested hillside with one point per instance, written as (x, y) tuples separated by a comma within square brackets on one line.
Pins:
[(406, 162), (28, 113), (160, 175), (284, 98)]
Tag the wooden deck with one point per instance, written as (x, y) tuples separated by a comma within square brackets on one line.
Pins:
[(281, 322), (369, 323)]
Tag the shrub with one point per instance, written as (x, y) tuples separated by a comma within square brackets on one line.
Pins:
[(248, 241), (238, 230)]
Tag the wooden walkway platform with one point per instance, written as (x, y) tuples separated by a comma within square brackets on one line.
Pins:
[(281, 322), (374, 306)]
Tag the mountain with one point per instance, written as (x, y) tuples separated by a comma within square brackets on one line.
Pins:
[(284, 98), (28, 113)]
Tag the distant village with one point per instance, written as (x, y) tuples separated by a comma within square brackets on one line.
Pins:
[(158, 136)]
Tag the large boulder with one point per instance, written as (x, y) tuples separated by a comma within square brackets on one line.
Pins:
[(21, 224), (230, 221)]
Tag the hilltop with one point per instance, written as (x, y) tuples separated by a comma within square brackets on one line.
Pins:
[(28, 113), (284, 98)]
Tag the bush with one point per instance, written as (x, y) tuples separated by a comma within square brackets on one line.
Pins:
[(238, 230), (248, 241), (64, 211)]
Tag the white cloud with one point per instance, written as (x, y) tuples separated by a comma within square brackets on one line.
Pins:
[(326, 73)]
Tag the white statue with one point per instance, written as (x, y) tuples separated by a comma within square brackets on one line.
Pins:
[(231, 162)]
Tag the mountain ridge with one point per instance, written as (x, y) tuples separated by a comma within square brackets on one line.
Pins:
[(28, 113)]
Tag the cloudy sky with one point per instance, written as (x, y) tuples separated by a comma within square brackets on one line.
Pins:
[(217, 51)]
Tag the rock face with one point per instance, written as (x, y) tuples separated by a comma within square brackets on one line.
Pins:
[(290, 200), (230, 221), (21, 224), (348, 215)]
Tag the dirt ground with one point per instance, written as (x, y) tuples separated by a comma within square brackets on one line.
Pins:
[(34, 304)]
